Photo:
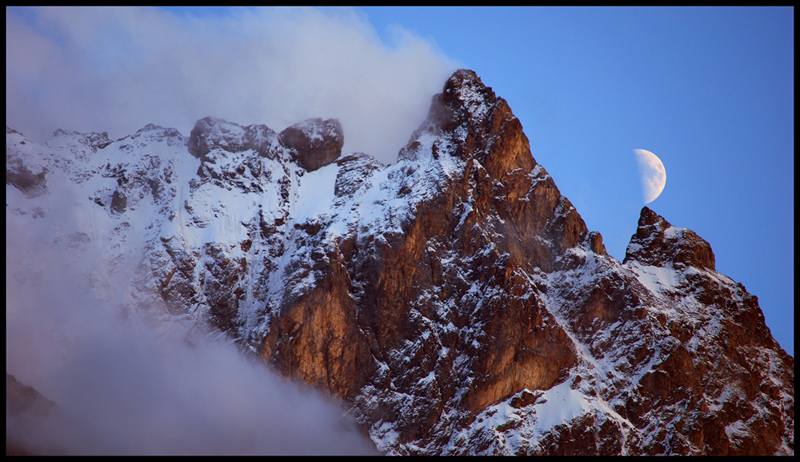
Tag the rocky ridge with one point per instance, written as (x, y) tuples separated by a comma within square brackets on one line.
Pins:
[(455, 300)]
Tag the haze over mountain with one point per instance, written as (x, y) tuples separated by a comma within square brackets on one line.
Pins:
[(454, 301), (708, 90)]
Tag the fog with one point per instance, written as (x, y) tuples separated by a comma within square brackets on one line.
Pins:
[(118, 69), (127, 379)]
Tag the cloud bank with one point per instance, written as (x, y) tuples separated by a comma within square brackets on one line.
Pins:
[(125, 383), (118, 69)]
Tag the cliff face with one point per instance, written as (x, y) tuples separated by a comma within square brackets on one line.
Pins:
[(455, 300)]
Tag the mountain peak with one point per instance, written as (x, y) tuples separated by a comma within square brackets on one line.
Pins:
[(464, 99), (658, 243), (455, 300), (466, 89), (471, 122)]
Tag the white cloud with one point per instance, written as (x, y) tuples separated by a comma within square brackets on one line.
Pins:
[(117, 69), (126, 384)]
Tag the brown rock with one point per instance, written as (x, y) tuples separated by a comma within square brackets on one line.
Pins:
[(316, 142), (32, 183), (490, 290), (658, 243), (369, 311)]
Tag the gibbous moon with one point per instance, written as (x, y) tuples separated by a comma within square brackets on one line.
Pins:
[(652, 174)]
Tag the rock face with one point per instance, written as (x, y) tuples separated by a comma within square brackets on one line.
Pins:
[(454, 300)]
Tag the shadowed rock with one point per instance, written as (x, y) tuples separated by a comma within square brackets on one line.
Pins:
[(316, 142)]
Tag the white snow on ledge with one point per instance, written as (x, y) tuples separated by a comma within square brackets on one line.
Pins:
[(315, 194), (673, 232), (655, 278), (559, 405)]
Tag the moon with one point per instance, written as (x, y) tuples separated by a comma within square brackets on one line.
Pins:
[(652, 174)]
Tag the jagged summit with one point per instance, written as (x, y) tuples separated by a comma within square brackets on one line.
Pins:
[(658, 243), (456, 300), (476, 123), (464, 98)]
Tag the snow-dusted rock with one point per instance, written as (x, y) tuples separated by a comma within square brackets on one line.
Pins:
[(455, 300), (315, 143), (22, 172), (658, 243)]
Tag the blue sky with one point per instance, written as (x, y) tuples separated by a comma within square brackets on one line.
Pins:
[(710, 91)]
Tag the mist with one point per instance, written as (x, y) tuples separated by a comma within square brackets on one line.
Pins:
[(126, 379), (118, 69)]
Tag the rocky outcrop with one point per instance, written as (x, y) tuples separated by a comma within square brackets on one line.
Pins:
[(30, 183), (691, 317), (658, 243), (314, 143), (31, 180), (211, 134)]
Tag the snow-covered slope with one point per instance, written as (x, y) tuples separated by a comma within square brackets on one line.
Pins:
[(455, 299)]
